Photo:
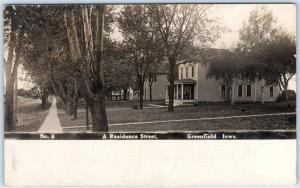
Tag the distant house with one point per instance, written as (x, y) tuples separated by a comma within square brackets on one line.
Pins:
[(159, 80), (193, 86), (158, 87)]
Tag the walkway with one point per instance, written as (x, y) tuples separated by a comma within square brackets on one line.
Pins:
[(51, 123)]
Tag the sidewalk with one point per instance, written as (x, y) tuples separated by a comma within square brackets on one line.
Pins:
[(51, 123)]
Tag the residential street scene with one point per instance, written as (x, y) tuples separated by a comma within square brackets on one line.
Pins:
[(155, 68)]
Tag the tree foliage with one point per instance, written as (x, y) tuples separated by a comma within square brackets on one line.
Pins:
[(270, 50)]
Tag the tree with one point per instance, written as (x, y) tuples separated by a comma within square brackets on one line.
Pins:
[(47, 60), (270, 51), (141, 43), (14, 37), (88, 52), (225, 67), (179, 25), (118, 70), (279, 58)]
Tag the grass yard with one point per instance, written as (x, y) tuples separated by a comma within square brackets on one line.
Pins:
[(205, 110), (33, 114)]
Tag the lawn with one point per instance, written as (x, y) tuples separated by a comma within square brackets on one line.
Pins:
[(205, 110), (32, 113)]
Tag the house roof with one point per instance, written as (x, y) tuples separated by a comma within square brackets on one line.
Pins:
[(204, 55)]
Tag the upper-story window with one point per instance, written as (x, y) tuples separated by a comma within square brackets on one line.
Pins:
[(186, 72), (192, 71), (181, 73)]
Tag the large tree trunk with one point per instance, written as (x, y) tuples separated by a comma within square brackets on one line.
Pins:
[(9, 109), (141, 96), (283, 85), (44, 99), (16, 101), (98, 113), (75, 107), (75, 100), (93, 56), (125, 94), (69, 102), (172, 62), (87, 122), (150, 90)]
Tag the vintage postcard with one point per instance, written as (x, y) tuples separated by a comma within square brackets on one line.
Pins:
[(149, 94)]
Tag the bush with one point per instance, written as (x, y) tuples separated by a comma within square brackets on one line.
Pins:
[(290, 96), (135, 106)]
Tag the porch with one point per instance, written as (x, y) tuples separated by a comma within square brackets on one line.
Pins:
[(184, 92)]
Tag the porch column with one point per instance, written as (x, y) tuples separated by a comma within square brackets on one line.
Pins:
[(255, 90), (177, 92), (182, 91), (196, 91), (167, 92)]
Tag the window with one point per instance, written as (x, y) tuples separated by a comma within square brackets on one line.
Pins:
[(223, 90), (192, 71), (248, 90), (181, 73), (240, 90), (186, 72), (271, 91)]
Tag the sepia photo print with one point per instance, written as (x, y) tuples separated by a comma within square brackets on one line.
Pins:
[(150, 71)]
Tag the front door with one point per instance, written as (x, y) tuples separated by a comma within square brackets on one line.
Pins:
[(188, 91)]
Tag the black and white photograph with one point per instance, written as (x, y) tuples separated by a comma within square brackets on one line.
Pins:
[(151, 68), (149, 94)]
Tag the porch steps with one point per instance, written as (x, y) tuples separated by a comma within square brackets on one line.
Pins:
[(182, 103)]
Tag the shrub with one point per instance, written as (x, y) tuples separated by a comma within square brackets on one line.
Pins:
[(290, 96), (135, 106)]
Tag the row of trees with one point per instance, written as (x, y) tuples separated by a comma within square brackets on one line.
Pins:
[(265, 53), (69, 50)]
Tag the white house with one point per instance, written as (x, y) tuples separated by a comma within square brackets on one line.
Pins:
[(193, 86)]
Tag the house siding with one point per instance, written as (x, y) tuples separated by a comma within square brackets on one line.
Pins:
[(209, 89), (158, 88)]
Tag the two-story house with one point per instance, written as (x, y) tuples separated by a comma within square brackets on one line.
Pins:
[(192, 86)]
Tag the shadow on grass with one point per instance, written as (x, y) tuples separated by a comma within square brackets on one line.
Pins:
[(31, 114)]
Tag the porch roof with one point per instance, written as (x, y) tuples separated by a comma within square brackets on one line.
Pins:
[(184, 81)]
